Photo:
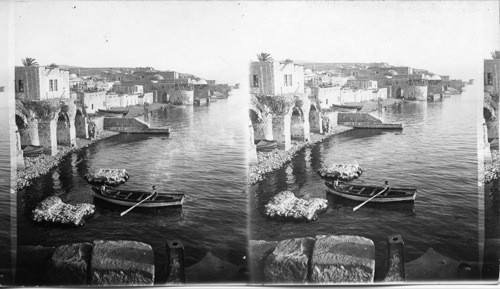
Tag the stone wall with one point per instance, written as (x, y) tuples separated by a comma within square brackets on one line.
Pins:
[(492, 75), (320, 260), (99, 263), (265, 75), (119, 123), (357, 117)]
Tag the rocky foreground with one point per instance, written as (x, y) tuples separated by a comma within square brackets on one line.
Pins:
[(344, 172), (268, 162), (38, 166), (107, 176), (285, 204), (53, 210)]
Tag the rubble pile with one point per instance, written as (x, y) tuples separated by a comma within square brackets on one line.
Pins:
[(285, 204), (53, 210), (343, 172)]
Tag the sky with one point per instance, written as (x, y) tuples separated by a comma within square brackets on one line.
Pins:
[(216, 40)]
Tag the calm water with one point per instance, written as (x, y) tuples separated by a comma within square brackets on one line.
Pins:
[(204, 157), (5, 197), (436, 153)]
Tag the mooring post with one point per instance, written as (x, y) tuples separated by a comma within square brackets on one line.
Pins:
[(175, 262), (395, 259)]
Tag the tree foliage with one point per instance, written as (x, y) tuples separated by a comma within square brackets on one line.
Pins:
[(495, 54), (264, 57), (29, 62)]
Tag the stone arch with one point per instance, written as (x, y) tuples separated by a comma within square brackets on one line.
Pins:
[(164, 98), (27, 129), (297, 123), (315, 121), (399, 92), (63, 129), (81, 124), (261, 124)]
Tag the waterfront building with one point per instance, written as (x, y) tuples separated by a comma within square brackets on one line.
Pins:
[(91, 101), (41, 83), (491, 75), (363, 84), (147, 97), (128, 88), (276, 78)]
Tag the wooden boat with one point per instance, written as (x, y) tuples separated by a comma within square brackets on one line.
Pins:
[(114, 111), (266, 145), (362, 193), (356, 106), (32, 151), (129, 198), (374, 125)]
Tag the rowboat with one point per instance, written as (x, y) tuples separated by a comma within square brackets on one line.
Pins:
[(362, 193), (266, 145), (32, 151), (355, 106), (114, 111), (130, 198)]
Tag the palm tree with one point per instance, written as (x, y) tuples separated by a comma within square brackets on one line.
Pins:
[(264, 57), (495, 54), (53, 65), (29, 62), (288, 60)]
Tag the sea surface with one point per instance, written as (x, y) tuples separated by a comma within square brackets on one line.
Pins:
[(204, 157), (436, 152), (5, 198)]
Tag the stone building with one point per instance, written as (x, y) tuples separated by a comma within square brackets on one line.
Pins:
[(91, 101), (492, 75), (128, 88), (276, 78), (41, 83), (363, 84)]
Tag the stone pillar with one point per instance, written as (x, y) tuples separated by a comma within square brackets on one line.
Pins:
[(81, 126), (47, 131), (29, 134), (264, 129), (252, 150), (18, 150), (315, 121), (281, 129)]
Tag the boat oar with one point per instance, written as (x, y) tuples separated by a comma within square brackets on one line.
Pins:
[(357, 207), (130, 209)]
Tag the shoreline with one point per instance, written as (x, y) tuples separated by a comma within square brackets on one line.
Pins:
[(41, 165), (269, 162)]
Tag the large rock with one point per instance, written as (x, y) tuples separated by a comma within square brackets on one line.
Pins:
[(289, 262), (285, 204), (258, 251), (122, 263), (107, 176), (69, 265), (341, 171), (211, 269), (343, 259), (53, 210)]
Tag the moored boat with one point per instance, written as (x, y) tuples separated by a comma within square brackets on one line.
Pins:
[(130, 198), (344, 106), (32, 151), (114, 111), (362, 193)]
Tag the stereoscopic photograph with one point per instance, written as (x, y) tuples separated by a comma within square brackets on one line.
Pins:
[(251, 143)]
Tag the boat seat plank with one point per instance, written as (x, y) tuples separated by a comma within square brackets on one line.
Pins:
[(140, 197), (361, 191), (373, 192), (128, 196)]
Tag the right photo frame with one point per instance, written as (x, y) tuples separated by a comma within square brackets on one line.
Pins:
[(374, 142)]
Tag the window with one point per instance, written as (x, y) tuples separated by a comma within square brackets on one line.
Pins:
[(20, 85), (327, 101), (51, 85), (489, 79), (55, 85), (92, 106), (255, 80), (287, 80)]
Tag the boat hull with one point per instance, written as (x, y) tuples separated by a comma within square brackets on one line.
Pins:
[(176, 199), (395, 195)]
